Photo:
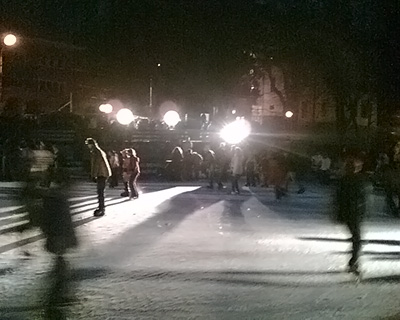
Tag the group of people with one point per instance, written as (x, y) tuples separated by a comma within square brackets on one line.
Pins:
[(112, 167), (231, 163)]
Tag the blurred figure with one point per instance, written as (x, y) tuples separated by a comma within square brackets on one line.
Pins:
[(209, 165), (251, 171), (264, 161), (175, 166), (197, 162), (42, 161), (131, 171), (187, 165), (100, 171), (316, 160), (60, 236), (292, 166), (192, 162), (223, 161), (325, 169), (351, 204), (113, 159), (382, 163), (186, 145), (277, 174), (237, 164)]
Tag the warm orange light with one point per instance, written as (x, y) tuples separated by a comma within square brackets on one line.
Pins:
[(289, 114), (106, 108), (10, 40)]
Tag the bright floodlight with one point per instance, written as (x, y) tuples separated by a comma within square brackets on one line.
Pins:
[(171, 118), (236, 131), (106, 108), (289, 114), (125, 116), (10, 40)]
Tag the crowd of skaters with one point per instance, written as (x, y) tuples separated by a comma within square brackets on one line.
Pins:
[(46, 182), (229, 163)]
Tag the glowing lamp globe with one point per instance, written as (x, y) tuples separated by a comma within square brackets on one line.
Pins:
[(171, 118), (236, 131), (289, 114), (106, 108), (125, 116), (10, 40)]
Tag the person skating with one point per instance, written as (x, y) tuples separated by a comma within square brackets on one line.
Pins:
[(236, 166), (115, 168), (100, 171), (351, 205), (131, 171)]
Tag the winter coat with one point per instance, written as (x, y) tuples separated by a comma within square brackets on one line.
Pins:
[(57, 223), (99, 164), (277, 172), (131, 165), (114, 161), (350, 201)]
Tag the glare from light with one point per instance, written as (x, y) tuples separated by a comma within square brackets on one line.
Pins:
[(125, 116), (289, 114), (106, 108), (159, 65), (171, 118), (236, 131), (10, 40), (233, 111)]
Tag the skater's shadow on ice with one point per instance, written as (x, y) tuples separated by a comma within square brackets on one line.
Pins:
[(391, 278), (364, 242), (375, 255), (6, 271), (274, 278), (232, 214)]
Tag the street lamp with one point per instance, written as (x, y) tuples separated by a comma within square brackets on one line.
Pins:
[(125, 116), (8, 40), (236, 131), (289, 114), (171, 118), (106, 108)]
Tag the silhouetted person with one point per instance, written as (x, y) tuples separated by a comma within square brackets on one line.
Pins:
[(60, 236), (175, 167), (113, 159), (250, 171), (351, 204), (236, 167), (209, 164), (223, 160)]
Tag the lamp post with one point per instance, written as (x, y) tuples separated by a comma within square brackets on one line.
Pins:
[(8, 40)]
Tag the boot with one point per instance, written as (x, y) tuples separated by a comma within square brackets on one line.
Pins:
[(126, 191), (99, 212)]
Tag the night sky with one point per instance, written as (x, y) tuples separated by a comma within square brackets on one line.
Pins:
[(200, 44)]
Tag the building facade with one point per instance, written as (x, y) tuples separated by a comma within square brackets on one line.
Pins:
[(313, 106)]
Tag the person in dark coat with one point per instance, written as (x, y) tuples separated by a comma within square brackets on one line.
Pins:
[(175, 165), (223, 161), (58, 230), (351, 204), (209, 164)]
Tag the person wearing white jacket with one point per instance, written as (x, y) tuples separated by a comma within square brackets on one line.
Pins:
[(237, 163)]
